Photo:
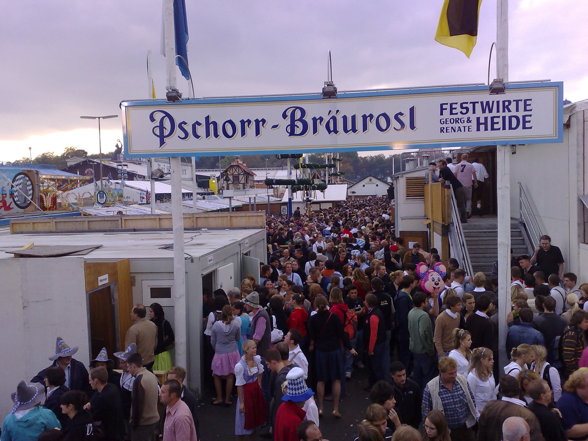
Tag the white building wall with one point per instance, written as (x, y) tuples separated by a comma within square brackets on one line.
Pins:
[(553, 175), (35, 311)]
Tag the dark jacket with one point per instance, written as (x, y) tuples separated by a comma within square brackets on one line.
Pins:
[(265, 341), (385, 304), (165, 336), (78, 376), (550, 423), (523, 333), (403, 304), (408, 403), (482, 332), (53, 403), (107, 409), (79, 428), (551, 326), (326, 331), (191, 401)]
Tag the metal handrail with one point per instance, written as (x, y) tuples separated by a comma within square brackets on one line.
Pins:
[(528, 217), (457, 241)]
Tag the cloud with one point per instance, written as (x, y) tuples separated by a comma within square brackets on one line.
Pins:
[(63, 59)]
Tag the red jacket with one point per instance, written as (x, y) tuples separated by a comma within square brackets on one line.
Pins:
[(340, 309), (297, 320), (288, 417)]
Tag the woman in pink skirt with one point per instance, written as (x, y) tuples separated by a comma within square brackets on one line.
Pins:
[(226, 332)]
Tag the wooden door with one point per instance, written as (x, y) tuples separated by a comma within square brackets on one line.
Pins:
[(117, 278), (102, 320)]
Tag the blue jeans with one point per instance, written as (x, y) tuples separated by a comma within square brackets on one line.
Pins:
[(423, 368)]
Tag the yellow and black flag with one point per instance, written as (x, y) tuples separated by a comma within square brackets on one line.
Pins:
[(458, 24)]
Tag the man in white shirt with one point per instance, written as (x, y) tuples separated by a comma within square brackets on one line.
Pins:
[(558, 293), (481, 176), (296, 356), (457, 284), (450, 165), (466, 174), (320, 242)]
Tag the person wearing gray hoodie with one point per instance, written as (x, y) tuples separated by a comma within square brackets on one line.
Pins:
[(225, 334)]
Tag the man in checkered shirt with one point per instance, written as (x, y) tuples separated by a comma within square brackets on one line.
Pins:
[(450, 393)]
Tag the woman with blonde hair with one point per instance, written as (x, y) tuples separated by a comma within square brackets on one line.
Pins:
[(480, 378), (517, 291), (571, 306), (520, 356), (547, 372), (251, 410), (461, 352)]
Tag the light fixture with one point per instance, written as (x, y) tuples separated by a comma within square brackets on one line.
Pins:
[(173, 95), (329, 89), (497, 87)]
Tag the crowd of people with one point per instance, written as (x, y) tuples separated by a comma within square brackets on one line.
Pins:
[(66, 402), (340, 294)]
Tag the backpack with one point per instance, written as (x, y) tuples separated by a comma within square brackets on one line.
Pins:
[(350, 323)]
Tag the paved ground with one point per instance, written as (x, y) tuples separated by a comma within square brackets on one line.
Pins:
[(217, 423)]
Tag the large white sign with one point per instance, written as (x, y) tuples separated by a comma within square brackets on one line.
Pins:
[(368, 120)]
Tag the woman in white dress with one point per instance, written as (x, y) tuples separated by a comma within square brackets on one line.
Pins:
[(461, 354), (480, 378)]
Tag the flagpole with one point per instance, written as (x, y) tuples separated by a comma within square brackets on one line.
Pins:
[(150, 94), (503, 191), (179, 290)]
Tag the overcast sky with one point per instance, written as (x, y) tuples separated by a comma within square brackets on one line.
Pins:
[(62, 59)]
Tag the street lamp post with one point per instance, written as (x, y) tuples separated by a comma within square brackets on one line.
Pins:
[(99, 118)]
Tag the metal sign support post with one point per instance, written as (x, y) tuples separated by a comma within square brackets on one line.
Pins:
[(179, 290), (503, 191)]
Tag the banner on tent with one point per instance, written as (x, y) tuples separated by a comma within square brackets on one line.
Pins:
[(366, 120)]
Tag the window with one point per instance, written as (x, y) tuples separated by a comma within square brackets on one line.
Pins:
[(159, 291), (415, 188)]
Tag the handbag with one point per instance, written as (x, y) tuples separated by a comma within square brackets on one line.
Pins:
[(276, 335)]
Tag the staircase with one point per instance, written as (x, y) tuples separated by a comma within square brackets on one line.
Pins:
[(481, 236)]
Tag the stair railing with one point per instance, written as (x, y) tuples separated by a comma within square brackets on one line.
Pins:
[(528, 218), (457, 241)]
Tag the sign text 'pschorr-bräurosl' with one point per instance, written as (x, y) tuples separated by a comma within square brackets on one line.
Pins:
[(295, 122), (526, 113)]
